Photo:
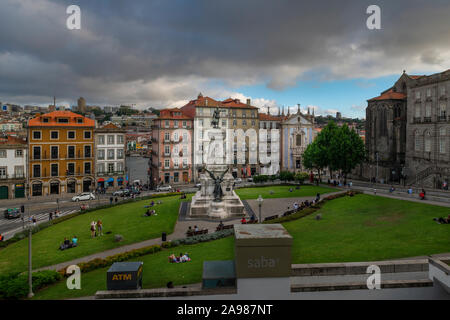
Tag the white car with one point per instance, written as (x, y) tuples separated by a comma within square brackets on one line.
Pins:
[(84, 197), (164, 188), (238, 180)]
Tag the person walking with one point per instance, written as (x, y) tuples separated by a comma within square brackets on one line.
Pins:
[(50, 216), (93, 229), (111, 200), (99, 227)]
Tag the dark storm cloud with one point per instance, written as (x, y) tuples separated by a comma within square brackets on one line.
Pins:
[(160, 52)]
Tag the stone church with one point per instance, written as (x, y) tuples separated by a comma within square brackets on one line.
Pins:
[(408, 130)]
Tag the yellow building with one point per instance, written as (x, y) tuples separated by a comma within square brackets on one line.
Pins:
[(61, 154)]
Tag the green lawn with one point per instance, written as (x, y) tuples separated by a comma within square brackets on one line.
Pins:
[(360, 228), (157, 270), (126, 220), (282, 192), (369, 228)]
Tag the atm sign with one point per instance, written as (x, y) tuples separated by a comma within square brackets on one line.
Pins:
[(122, 276)]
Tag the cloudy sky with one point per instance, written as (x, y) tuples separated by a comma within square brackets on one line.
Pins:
[(163, 53)]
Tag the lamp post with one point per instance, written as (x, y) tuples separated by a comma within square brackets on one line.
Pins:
[(260, 201), (30, 278), (376, 180)]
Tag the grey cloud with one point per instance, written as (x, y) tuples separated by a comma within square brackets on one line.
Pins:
[(159, 52)]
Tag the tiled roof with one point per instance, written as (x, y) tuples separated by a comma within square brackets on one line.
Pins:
[(168, 114), (268, 117), (390, 95), (236, 103), (12, 140), (53, 116)]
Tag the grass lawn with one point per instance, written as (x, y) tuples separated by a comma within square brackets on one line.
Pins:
[(157, 270), (282, 192), (369, 228), (126, 220)]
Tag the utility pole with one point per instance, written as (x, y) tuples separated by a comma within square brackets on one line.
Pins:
[(30, 275), (376, 180)]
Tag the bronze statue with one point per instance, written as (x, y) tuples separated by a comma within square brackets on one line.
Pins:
[(218, 192), (215, 120)]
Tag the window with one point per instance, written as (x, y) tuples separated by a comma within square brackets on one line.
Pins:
[(166, 150), (428, 93), (167, 123), (244, 122), (417, 113), (185, 150), (185, 163), (54, 170), (110, 154), (166, 136), (87, 151), (19, 172), (167, 163), (79, 120), (200, 111), (234, 123), (120, 166), (175, 123), (45, 120), (110, 139), (101, 139), (37, 171), (71, 152), (175, 150), (442, 91), (428, 110), (3, 172), (119, 153), (2, 153), (54, 135), (417, 95), (120, 139), (110, 167), (442, 140), (185, 137), (63, 120), (184, 124), (442, 110), (100, 168), (101, 154), (416, 141), (175, 163), (87, 168), (54, 150), (176, 176), (71, 135), (70, 169), (37, 153), (19, 153), (224, 123), (253, 123), (176, 138), (298, 140), (427, 142), (37, 135), (244, 114), (200, 123)]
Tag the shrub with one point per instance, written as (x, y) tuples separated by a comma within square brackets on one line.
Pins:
[(260, 178), (15, 285), (286, 176), (301, 176)]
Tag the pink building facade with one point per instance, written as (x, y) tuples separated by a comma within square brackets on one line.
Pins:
[(172, 143)]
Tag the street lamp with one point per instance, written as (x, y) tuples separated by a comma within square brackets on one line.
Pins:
[(260, 201)]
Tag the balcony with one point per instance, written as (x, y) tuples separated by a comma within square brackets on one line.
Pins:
[(417, 120), (110, 173), (427, 119), (12, 176), (442, 118)]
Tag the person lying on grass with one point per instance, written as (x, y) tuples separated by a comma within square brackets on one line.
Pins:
[(182, 258), (150, 213), (442, 220)]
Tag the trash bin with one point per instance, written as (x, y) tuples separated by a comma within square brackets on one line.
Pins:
[(164, 236)]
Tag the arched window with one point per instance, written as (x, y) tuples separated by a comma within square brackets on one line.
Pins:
[(427, 144), (298, 140)]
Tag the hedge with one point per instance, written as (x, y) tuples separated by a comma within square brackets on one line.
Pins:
[(15, 285)]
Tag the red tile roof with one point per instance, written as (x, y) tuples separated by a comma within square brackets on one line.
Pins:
[(267, 117), (53, 116), (390, 95), (12, 140), (236, 103), (168, 114)]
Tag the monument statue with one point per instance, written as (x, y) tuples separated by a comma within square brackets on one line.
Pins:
[(215, 120), (218, 192)]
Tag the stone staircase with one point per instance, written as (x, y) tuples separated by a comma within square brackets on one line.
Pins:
[(425, 173)]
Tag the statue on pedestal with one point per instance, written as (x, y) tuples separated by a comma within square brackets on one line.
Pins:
[(218, 192), (215, 120)]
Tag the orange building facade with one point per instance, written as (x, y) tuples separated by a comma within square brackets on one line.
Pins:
[(61, 154)]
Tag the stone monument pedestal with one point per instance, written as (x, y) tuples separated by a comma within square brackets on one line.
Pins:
[(203, 204)]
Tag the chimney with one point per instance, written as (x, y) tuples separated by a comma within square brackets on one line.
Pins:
[(248, 102)]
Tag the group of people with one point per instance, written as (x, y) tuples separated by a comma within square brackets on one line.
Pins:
[(443, 220), (182, 258), (67, 244), (251, 220), (149, 213), (96, 228), (196, 229), (53, 214)]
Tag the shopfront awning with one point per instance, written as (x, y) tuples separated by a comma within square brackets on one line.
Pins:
[(110, 180), (101, 180)]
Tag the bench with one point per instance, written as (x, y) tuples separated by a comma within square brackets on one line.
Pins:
[(252, 222), (193, 233), (271, 218), (224, 227)]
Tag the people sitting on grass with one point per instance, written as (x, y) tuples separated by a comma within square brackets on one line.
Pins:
[(443, 220), (182, 258), (296, 206), (67, 244), (149, 213), (152, 203), (410, 190), (391, 189), (243, 221), (183, 196)]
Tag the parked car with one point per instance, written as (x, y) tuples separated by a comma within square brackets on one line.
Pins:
[(13, 213), (238, 180), (164, 188), (250, 179), (84, 197), (122, 193), (198, 185)]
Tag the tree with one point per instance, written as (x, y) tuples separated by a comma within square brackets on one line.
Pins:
[(346, 150)]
